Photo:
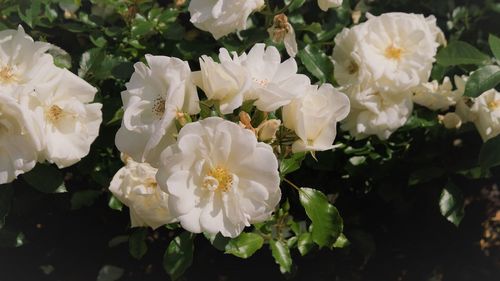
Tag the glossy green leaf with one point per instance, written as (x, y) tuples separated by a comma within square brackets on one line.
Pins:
[(317, 62), (179, 255), (281, 254), (245, 245), (137, 242), (460, 53), (489, 156), (341, 242), (451, 203), (481, 80), (327, 224), (45, 178), (494, 43), (291, 164), (305, 243)]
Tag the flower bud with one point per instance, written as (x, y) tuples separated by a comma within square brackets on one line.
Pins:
[(450, 120), (267, 130)]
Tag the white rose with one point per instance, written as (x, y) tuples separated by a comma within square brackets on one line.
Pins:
[(346, 57), (435, 96), (225, 82), (314, 117), (64, 118), (219, 178), (327, 4), (18, 143), (486, 109), (221, 17), (22, 60), (154, 95), (274, 83), (135, 186), (395, 49), (372, 113)]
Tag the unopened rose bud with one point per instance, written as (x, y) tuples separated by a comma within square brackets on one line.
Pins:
[(179, 3), (282, 31), (450, 120), (246, 121), (267, 130), (183, 118)]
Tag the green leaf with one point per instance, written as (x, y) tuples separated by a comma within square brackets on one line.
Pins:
[(10, 238), (44, 178), (217, 240), (141, 26), (341, 242), (316, 62), (281, 254), (110, 273), (245, 245), (327, 224), (6, 193), (305, 243), (451, 203), (31, 14), (482, 80), (494, 45), (291, 164), (489, 156), (137, 243), (460, 53), (294, 4), (84, 198), (115, 204), (179, 255)]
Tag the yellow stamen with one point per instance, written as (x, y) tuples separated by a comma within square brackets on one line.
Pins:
[(54, 113), (7, 75), (393, 53), (222, 175), (494, 104)]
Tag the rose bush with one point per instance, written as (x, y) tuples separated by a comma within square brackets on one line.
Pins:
[(242, 125)]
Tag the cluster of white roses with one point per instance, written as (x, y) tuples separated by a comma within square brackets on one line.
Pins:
[(45, 111), (379, 63), (214, 175), (483, 111)]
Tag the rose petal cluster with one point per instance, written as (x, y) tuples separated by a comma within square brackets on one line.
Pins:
[(46, 112), (222, 17), (379, 62), (327, 4)]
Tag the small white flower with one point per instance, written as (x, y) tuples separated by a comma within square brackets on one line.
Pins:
[(155, 94), (372, 113), (435, 96), (486, 109), (64, 119), (282, 31), (219, 178), (135, 186), (314, 117), (274, 83), (22, 60), (327, 4), (225, 82), (221, 17), (346, 57), (18, 145)]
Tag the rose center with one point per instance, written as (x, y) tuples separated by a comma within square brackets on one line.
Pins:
[(8, 75), (218, 179), (393, 53), (494, 104), (54, 113), (159, 107), (352, 67), (261, 82)]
